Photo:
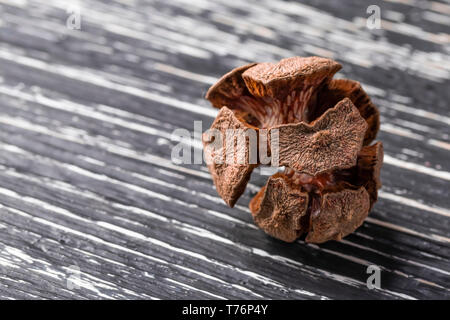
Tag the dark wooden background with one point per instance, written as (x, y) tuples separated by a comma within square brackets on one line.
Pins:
[(91, 205)]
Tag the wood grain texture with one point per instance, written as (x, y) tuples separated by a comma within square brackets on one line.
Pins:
[(86, 122)]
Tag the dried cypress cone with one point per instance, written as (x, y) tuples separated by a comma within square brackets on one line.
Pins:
[(324, 127)]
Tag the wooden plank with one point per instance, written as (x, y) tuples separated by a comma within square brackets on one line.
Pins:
[(86, 180)]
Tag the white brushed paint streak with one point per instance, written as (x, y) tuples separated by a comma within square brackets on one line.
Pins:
[(414, 203), (109, 244), (387, 158), (207, 234), (204, 233), (190, 288), (29, 126), (416, 167)]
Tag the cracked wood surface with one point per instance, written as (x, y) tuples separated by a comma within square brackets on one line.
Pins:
[(91, 206)]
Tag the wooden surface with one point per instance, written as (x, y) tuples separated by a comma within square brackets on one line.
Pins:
[(86, 180)]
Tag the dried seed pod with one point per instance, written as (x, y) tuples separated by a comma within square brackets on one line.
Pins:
[(279, 208), (274, 93), (330, 142), (336, 90), (277, 80), (230, 174), (370, 160), (229, 89), (324, 128), (340, 214)]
